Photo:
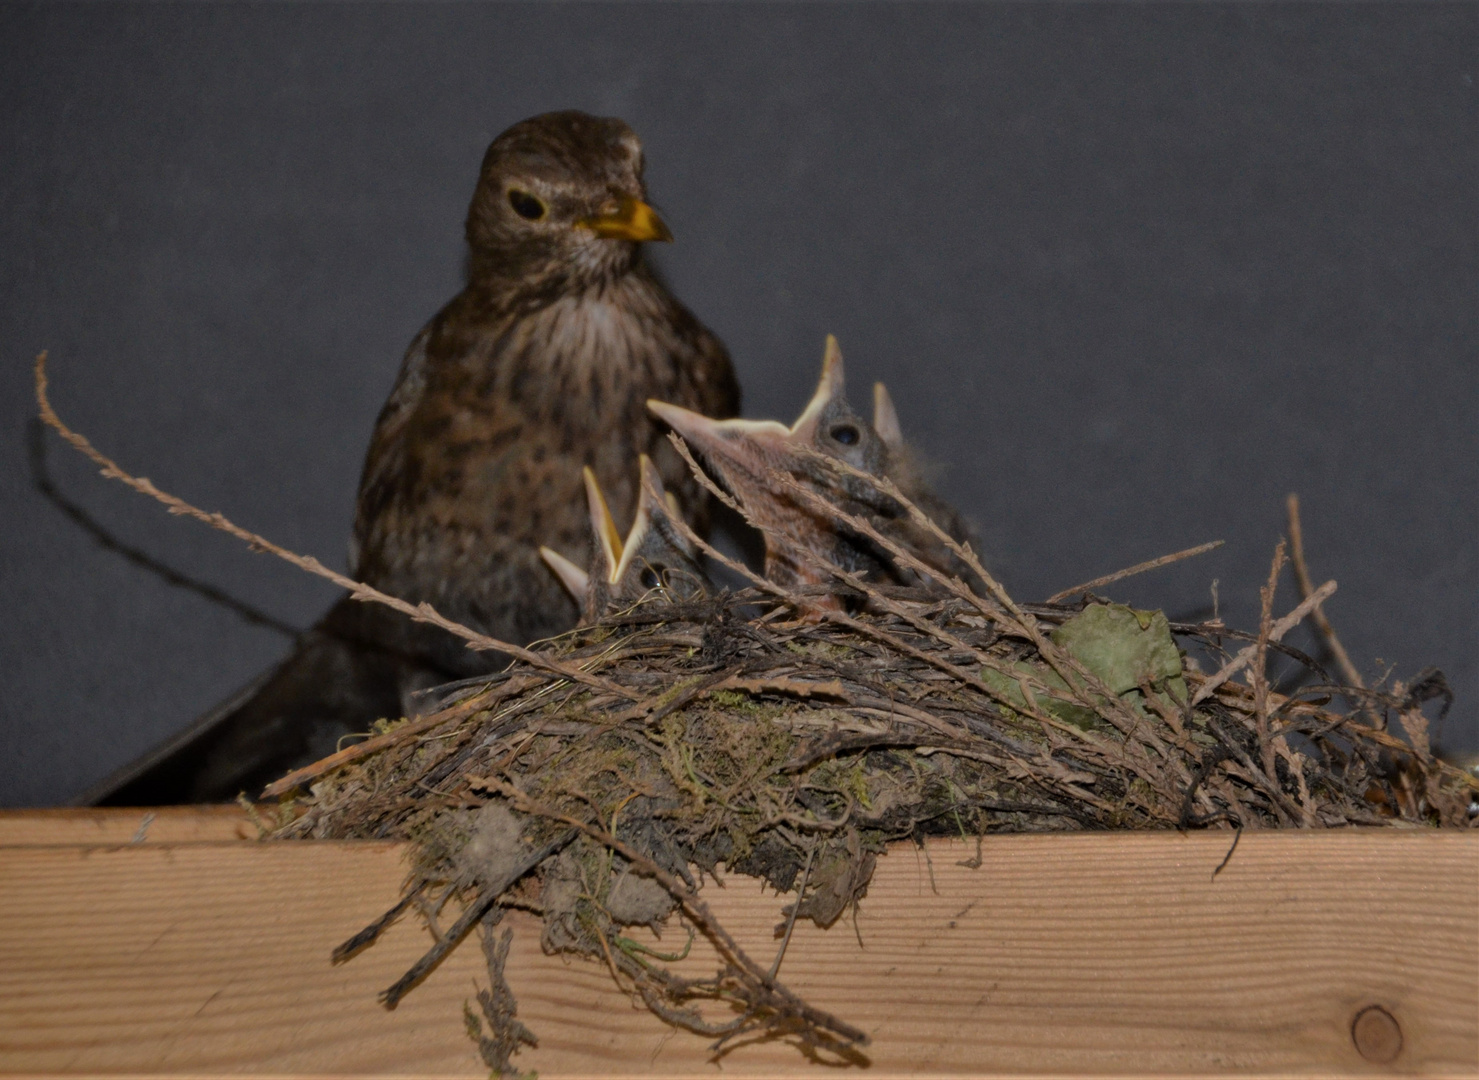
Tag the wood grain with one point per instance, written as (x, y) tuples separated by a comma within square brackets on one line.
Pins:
[(1079, 955), (101, 827)]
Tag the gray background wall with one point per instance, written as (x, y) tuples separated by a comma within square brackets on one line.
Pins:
[(1131, 272)]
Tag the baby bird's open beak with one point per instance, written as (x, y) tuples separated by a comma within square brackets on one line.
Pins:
[(576, 581), (761, 445), (626, 219), (754, 445)]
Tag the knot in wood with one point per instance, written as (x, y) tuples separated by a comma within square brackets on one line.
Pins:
[(1377, 1035)]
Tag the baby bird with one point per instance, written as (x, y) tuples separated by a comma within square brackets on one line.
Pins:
[(745, 453), (539, 367), (909, 474), (653, 557)]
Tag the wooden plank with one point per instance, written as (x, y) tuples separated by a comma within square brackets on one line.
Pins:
[(157, 825), (1078, 954)]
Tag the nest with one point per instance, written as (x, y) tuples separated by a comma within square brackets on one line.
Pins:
[(791, 734)]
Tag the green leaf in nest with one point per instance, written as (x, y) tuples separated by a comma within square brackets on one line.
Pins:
[(1119, 645), (1122, 646)]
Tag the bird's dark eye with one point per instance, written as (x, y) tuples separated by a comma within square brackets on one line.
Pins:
[(846, 434), (649, 579), (525, 205)]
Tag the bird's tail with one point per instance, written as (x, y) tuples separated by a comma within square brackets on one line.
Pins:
[(336, 682)]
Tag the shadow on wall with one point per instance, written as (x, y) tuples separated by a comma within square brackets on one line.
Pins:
[(42, 481)]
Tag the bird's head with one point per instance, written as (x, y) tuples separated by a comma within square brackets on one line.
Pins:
[(746, 455), (560, 202), (653, 559), (745, 451)]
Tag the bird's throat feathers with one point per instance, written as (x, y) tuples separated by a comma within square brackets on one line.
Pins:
[(580, 351)]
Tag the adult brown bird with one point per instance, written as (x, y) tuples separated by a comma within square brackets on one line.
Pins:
[(539, 367)]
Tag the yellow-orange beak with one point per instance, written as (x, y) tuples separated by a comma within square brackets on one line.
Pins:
[(627, 219)]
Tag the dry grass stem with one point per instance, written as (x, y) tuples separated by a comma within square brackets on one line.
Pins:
[(1276, 633), (1131, 571), (1317, 614), (422, 612)]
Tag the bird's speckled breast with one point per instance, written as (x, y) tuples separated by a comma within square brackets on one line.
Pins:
[(477, 457)]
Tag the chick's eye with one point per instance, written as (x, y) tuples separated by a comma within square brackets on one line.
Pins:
[(649, 578), (525, 205), (846, 434)]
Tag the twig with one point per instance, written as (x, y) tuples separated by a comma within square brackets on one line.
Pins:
[(1138, 568), (391, 996), (1258, 669), (874, 632), (780, 955), (422, 612), (371, 933), (695, 908), (1228, 857), (1276, 632), (466, 707), (1082, 683), (1317, 615), (474, 911), (961, 551)]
